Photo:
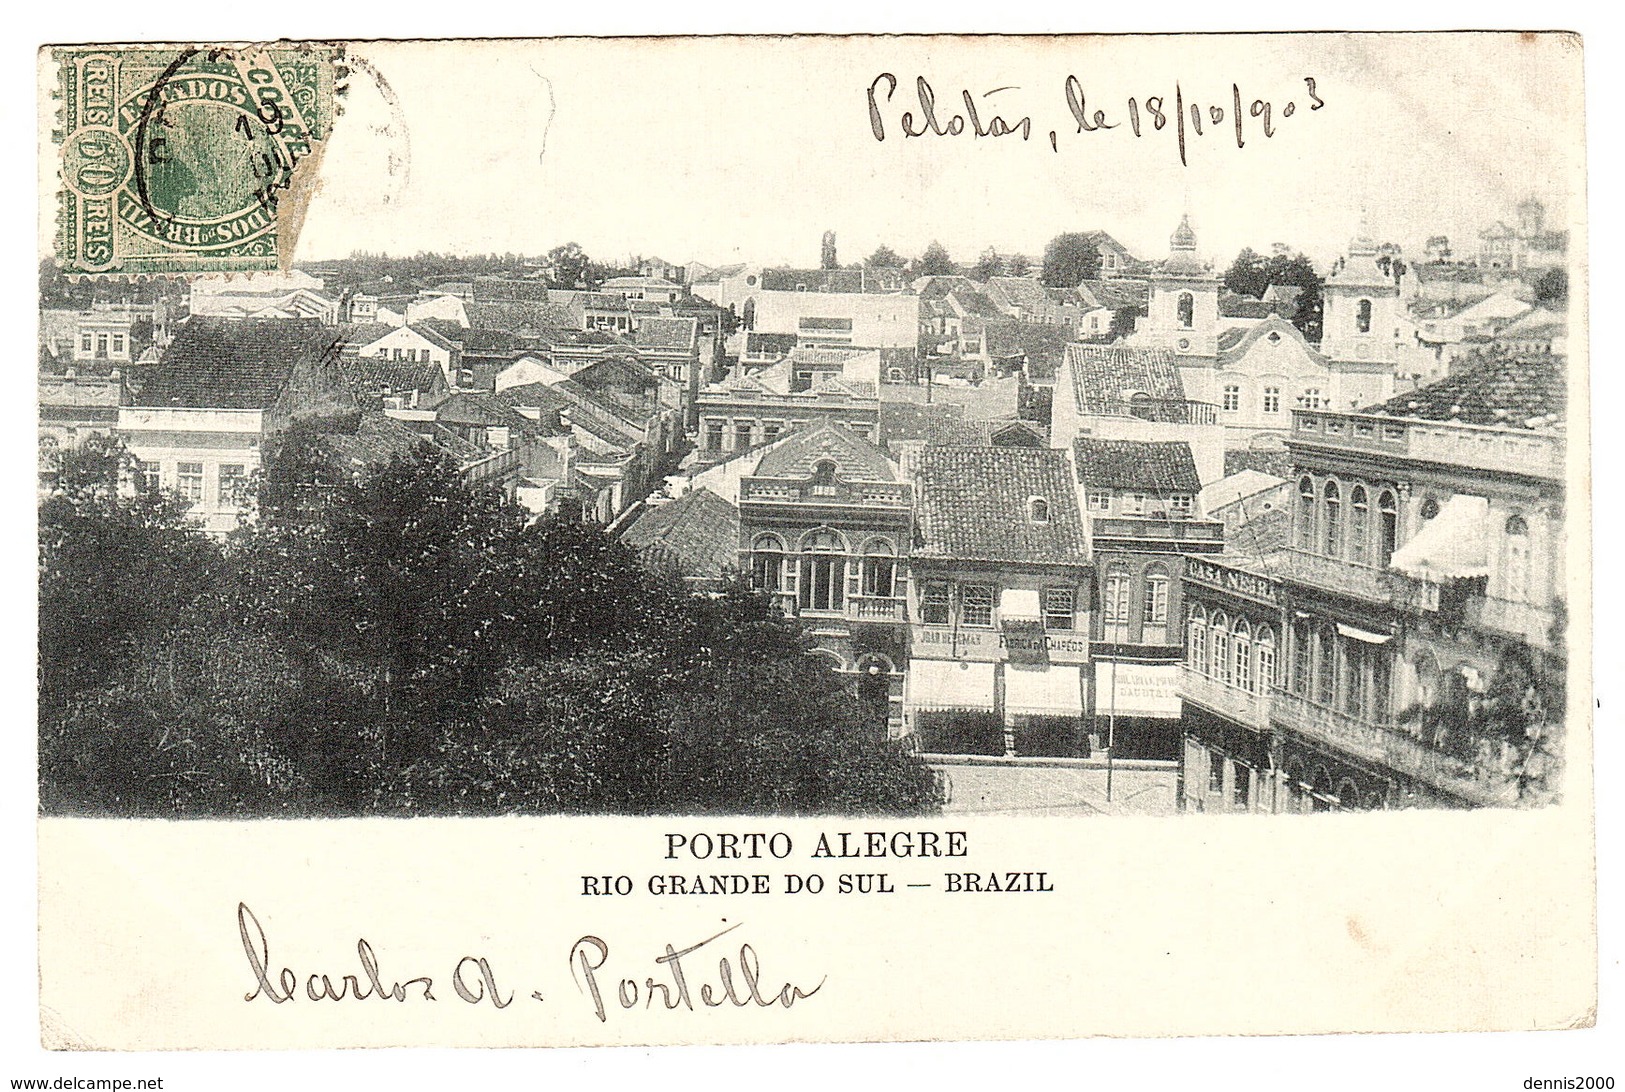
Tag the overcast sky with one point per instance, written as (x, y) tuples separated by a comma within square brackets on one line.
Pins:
[(717, 150)]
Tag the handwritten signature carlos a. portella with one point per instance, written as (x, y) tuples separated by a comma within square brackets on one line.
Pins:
[(738, 980)]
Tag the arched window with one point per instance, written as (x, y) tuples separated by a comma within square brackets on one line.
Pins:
[(1306, 513), (823, 570), (1223, 668), (1348, 796), (1187, 310), (1359, 525), (823, 478), (1156, 598), (1387, 527), (1515, 572), (1332, 543), (1196, 641), (1265, 677), (767, 568), (1362, 317), (879, 569), (1037, 510), (1242, 654)]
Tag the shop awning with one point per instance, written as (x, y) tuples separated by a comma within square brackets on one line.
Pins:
[(943, 685), (1052, 691), (1019, 603), (1451, 545), (1358, 634)]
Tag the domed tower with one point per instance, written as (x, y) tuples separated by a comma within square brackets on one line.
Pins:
[(1360, 331), (1184, 312)]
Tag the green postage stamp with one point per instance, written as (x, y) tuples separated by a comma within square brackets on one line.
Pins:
[(172, 159)]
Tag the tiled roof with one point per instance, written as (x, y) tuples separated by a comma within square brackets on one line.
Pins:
[(938, 286), (857, 458), (219, 363), (376, 441), (816, 280), (370, 373), (356, 335), (1023, 292), (479, 408), (973, 301), (1119, 293), (1537, 323), (1159, 466), (432, 336), (1103, 376), (666, 333), (518, 315), (495, 289), (1236, 305), (904, 422), (973, 505), (1276, 463), (697, 534), (1506, 391)]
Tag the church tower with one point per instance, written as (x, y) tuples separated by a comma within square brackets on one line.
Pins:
[(1184, 313), (1360, 332)]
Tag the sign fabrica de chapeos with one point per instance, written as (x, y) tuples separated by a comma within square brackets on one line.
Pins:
[(1236, 582)]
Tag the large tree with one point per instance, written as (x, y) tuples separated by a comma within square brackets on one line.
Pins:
[(987, 266), (568, 266), (884, 257), (395, 640), (935, 262), (1552, 288), (1251, 274), (1069, 259)]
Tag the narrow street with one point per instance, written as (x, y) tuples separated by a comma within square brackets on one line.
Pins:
[(1050, 790)]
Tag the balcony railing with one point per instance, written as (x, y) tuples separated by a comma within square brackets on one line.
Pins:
[(856, 608), (1391, 748), (1511, 448), (793, 491), (1361, 581), (1142, 529), (878, 608), (1242, 706)]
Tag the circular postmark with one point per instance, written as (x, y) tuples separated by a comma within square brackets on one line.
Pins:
[(96, 161), (214, 139)]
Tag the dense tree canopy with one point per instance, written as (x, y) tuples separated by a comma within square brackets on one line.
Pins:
[(1251, 274), (884, 257), (935, 262), (1552, 288), (1069, 259), (396, 642)]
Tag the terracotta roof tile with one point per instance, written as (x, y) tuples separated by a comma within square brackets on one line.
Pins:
[(1157, 466), (219, 363), (1103, 376), (1508, 391), (974, 505), (697, 534)]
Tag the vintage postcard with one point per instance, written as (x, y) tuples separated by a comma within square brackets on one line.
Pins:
[(577, 541)]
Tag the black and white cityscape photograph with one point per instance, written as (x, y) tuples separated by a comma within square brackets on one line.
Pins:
[(1000, 452), (765, 542)]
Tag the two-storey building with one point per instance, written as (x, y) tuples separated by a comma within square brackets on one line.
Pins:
[(825, 526), (1139, 501), (1000, 604)]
